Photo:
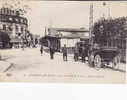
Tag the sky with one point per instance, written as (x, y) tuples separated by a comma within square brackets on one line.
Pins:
[(69, 14)]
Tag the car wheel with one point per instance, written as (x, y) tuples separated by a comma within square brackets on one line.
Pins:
[(97, 61)]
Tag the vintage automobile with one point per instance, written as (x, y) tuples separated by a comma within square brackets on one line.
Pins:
[(80, 45), (104, 56), (100, 56)]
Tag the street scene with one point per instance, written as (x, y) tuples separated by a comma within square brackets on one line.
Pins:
[(29, 66), (41, 43)]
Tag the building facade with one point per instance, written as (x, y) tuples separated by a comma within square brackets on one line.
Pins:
[(14, 24), (58, 37)]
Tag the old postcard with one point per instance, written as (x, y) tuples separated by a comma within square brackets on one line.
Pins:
[(63, 41)]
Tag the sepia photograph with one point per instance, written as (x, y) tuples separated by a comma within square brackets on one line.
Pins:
[(63, 41)]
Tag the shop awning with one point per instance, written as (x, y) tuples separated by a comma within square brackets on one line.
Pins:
[(16, 40)]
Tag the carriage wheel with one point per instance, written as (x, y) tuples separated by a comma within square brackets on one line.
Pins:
[(97, 61), (116, 62)]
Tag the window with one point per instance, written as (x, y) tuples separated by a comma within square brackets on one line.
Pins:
[(16, 19), (21, 20), (24, 21), (2, 18), (17, 13), (21, 29), (13, 12), (4, 27), (10, 19), (7, 11), (17, 28), (0, 11), (10, 28)]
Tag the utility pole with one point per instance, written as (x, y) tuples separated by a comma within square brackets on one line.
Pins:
[(50, 23), (105, 4), (109, 15), (45, 31), (91, 24)]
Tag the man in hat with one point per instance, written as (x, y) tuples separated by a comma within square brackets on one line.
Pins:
[(64, 50)]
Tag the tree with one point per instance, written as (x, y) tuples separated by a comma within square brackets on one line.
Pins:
[(106, 30)]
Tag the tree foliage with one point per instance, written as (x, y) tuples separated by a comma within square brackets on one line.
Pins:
[(106, 29)]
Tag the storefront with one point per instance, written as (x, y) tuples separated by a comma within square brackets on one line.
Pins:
[(58, 37), (16, 43), (51, 41)]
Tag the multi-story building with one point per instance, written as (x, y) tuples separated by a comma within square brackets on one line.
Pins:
[(14, 24)]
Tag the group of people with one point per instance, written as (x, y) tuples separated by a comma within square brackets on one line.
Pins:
[(52, 52), (65, 53), (51, 49), (83, 53)]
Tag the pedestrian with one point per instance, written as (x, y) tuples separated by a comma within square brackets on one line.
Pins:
[(76, 53), (64, 50), (0, 57), (41, 50), (52, 51), (83, 54)]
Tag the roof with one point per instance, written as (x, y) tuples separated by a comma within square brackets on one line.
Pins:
[(53, 35), (69, 36), (74, 36), (75, 33), (85, 37), (69, 29)]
